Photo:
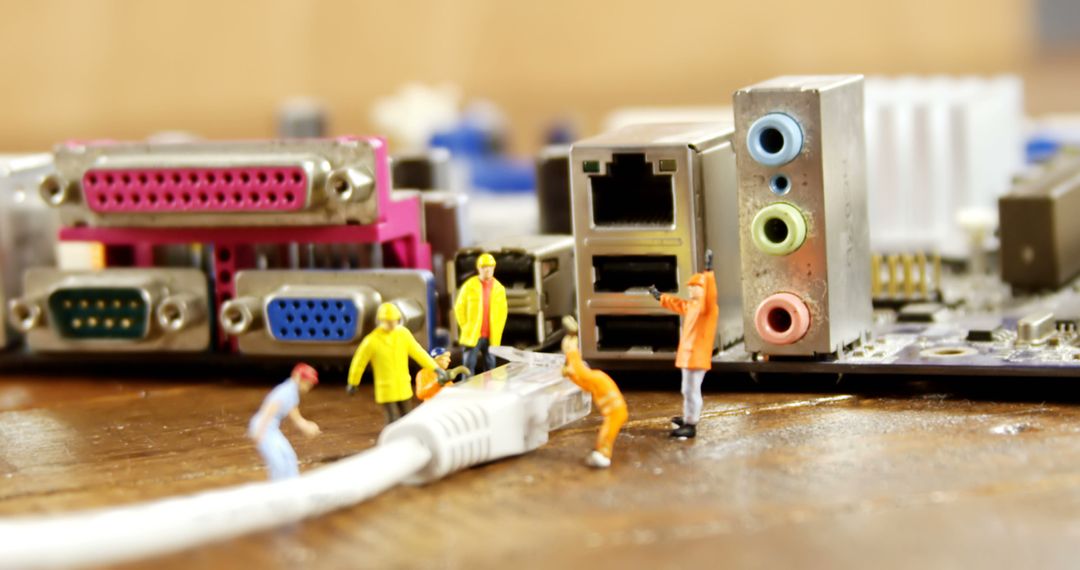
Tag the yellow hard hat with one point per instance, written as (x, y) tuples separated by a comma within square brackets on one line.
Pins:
[(388, 312), (485, 260)]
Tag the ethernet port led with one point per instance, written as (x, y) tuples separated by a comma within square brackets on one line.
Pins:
[(622, 273), (637, 332), (631, 195)]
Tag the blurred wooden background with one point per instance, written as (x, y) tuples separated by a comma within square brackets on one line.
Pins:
[(127, 68)]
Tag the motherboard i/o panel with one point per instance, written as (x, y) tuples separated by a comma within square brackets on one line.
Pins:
[(647, 202), (285, 182)]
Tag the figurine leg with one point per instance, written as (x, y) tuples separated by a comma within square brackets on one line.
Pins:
[(489, 359), (468, 359), (394, 411), (691, 392), (614, 420), (278, 455)]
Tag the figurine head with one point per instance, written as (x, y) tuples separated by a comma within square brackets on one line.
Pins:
[(305, 377), (485, 266), (696, 287), (570, 341), (441, 356), (388, 316)]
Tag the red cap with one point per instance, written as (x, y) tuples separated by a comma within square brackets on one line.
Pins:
[(305, 373)]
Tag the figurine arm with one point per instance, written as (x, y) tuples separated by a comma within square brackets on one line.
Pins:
[(308, 427), (579, 372), (420, 355), (710, 292), (673, 304), (359, 363), (498, 312), (460, 305), (265, 413)]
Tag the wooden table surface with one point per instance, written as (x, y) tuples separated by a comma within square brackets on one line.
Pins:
[(841, 476)]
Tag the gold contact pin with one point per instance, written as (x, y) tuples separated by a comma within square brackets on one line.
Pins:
[(100, 304), (909, 277), (894, 261), (76, 323), (920, 262), (875, 275), (937, 272)]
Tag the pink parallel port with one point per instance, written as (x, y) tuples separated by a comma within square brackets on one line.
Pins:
[(243, 189)]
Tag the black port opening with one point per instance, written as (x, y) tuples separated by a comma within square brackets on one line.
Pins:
[(513, 269), (619, 273), (772, 140), (623, 332), (520, 331), (779, 320), (631, 195), (465, 265), (776, 230)]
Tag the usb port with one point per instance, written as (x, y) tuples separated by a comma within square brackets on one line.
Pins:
[(637, 332), (621, 273)]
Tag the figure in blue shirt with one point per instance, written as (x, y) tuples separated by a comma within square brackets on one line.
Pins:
[(265, 426)]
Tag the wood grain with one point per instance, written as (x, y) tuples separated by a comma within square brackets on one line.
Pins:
[(775, 479)]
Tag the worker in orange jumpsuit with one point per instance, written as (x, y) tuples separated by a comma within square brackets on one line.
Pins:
[(697, 339), (605, 394), (428, 382)]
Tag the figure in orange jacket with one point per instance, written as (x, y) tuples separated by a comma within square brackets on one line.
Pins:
[(696, 341), (605, 393), (428, 382)]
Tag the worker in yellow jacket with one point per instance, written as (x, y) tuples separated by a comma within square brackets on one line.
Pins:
[(480, 310), (388, 349)]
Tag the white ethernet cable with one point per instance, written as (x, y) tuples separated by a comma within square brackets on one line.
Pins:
[(506, 411)]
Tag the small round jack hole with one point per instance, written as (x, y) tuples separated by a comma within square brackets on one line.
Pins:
[(780, 184), (782, 318), (774, 139), (53, 190), (349, 185), (24, 315)]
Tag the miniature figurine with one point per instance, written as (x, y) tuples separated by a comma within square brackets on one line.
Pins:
[(427, 381), (265, 426), (696, 340), (388, 349), (605, 393), (480, 311)]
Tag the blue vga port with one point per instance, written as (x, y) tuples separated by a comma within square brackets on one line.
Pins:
[(313, 319), (322, 313)]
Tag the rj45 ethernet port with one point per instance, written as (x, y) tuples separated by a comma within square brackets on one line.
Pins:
[(621, 273), (631, 195), (627, 332)]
